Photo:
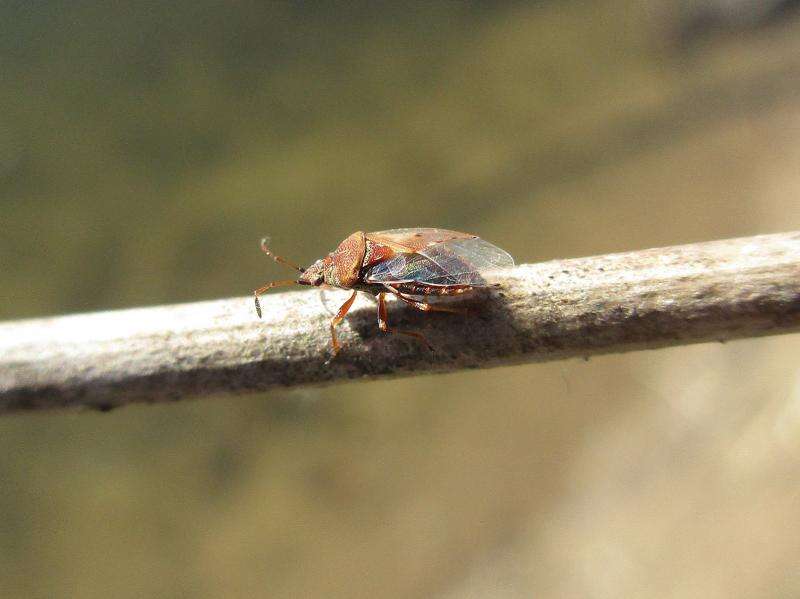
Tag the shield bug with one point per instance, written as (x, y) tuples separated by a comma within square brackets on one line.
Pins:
[(411, 264)]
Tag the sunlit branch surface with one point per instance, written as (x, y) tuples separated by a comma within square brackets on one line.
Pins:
[(712, 291)]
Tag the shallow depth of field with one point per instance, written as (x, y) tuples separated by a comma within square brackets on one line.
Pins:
[(146, 148)]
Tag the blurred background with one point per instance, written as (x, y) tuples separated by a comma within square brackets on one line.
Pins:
[(145, 148)]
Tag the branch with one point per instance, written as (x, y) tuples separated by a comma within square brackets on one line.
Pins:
[(580, 307)]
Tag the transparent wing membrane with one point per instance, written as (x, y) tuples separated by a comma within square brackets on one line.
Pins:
[(459, 261)]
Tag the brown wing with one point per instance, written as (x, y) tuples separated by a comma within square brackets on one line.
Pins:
[(414, 240)]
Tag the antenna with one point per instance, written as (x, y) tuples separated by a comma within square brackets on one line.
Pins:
[(278, 259), (267, 287)]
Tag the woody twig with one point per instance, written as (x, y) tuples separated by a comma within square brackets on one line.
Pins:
[(704, 292)]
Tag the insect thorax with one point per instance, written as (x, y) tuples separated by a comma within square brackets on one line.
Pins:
[(344, 263)]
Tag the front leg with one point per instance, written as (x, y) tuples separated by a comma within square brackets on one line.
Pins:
[(337, 319)]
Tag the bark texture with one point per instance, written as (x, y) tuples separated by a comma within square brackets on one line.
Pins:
[(713, 291)]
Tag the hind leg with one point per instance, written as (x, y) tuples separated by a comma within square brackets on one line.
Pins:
[(424, 306)]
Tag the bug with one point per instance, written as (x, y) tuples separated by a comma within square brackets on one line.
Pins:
[(407, 263)]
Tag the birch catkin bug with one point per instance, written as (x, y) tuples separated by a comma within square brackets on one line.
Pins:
[(408, 263)]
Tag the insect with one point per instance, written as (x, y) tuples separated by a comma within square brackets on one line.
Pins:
[(408, 263)]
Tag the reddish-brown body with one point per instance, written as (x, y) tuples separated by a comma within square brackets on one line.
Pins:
[(403, 262)]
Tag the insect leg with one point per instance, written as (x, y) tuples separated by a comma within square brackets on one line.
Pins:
[(339, 318), (383, 323), (424, 306), (267, 287)]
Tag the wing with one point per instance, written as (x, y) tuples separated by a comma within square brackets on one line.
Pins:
[(459, 261), (413, 240)]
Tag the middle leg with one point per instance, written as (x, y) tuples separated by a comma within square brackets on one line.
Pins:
[(383, 323)]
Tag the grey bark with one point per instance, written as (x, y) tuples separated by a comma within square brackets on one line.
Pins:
[(713, 291)]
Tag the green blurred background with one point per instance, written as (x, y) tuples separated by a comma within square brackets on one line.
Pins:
[(145, 148)]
